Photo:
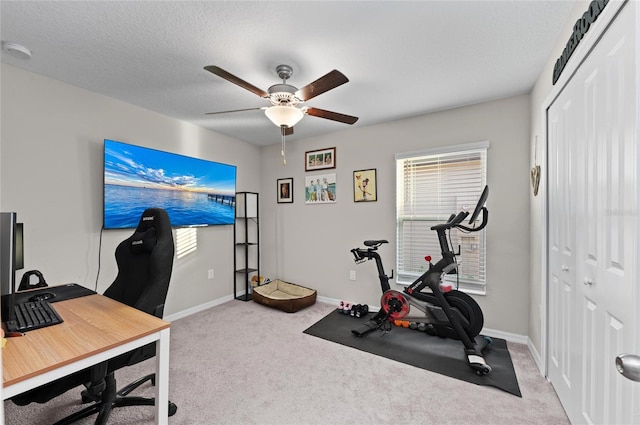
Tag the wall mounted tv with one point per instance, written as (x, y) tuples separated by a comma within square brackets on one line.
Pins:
[(194, 192)]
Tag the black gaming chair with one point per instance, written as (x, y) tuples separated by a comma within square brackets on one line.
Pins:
[(145, 261)]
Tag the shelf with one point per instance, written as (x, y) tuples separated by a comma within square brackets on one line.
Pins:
[(247, 270), (245, 229)]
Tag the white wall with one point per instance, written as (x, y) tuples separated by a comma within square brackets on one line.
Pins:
[(51, 175), (310, 244), (540, 91)]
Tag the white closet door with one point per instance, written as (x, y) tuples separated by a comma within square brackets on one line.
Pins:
[(563, 336), (593, 230)]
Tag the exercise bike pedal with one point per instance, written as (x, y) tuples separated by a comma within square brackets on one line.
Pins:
[(478, 364), (376, 322), (364, 329), (481, 370)]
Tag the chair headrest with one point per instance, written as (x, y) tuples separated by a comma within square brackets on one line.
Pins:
[(151, 218), (154, 225), (143, 241)]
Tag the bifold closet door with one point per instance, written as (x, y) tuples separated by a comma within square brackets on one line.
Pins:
[(594, 285), (564, 369)]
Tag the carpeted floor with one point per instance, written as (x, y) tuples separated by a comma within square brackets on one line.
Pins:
[(244, 363)]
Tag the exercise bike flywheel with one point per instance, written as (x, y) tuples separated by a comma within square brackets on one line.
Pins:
[(395, 304)]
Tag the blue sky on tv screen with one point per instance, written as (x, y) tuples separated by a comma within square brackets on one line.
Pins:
[(135, 166)]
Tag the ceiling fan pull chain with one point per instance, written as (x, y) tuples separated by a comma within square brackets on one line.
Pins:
[(282, 151)]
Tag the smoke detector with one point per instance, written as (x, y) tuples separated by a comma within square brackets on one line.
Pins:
[(16, 50)]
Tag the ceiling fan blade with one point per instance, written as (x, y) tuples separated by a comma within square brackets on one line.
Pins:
[(330, 81), (235, 80), (321, 113), (235, 110)]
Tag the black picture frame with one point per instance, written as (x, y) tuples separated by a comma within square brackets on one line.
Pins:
[(365, 185), (321, 159), (285, 190)]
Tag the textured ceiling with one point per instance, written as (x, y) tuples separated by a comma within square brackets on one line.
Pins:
[(403, 59)]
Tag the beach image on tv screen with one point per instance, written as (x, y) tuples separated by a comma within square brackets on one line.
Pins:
[(194, 192)]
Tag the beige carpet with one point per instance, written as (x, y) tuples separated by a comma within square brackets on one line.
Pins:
[(244, 363)]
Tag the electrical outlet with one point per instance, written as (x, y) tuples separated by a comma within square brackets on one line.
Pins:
[(211, 274), (352, 275)]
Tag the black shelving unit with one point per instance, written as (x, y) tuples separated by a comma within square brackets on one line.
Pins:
[(246, 239)]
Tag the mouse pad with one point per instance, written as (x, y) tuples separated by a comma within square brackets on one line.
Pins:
[(440, 355), (59, 292)]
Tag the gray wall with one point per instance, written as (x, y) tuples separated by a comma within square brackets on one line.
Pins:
[(310, 244), (51, 175)]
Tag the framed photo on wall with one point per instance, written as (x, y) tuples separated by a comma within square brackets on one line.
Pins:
[(364, 185), (320, 160), (320, 189), (285, 190)]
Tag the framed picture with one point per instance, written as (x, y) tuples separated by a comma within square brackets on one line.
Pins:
[(320, 189), (285, 190), (320, 159), (364, 185)]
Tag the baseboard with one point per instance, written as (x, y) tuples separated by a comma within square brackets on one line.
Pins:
[(507, 336), (198, 308), (536, 356), (326, 300)]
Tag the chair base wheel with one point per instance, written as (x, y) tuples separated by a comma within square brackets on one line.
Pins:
[(172, 409)]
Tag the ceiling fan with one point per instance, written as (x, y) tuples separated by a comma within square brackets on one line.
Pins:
[(285, 98)]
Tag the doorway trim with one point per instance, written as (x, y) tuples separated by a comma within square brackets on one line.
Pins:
[(579, 55)]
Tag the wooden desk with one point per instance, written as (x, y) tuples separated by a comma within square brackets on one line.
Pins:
[(95, 328)]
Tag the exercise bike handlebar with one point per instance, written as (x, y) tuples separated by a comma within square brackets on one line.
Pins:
[(485, 220), (454, 221), (459, 218)]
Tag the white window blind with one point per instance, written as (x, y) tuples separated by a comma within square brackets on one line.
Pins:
[(432, 185), (186, 241)]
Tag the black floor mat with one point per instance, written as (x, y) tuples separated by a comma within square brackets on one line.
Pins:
[(440, 355)]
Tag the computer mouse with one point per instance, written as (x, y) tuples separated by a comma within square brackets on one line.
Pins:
[(42, 297)]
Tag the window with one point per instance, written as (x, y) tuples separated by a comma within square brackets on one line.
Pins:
[(432, 185), (186, 241)]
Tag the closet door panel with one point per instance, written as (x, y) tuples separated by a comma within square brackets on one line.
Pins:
[(599, 104)]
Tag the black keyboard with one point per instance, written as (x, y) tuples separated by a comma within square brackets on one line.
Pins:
[(33, 315)]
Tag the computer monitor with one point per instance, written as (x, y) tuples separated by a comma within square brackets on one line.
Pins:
[(11, 259), (19, 251)]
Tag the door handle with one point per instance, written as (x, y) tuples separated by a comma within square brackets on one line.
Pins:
[(629, 366)]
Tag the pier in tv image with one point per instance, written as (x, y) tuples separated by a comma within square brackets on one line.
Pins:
[(194, 192)]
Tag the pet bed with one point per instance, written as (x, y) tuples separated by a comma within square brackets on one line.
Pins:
[(284, 296)]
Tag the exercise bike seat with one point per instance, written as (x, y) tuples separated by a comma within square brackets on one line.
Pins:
[(375, 243)]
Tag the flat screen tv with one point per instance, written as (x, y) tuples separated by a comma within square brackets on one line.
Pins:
[(193, 191)]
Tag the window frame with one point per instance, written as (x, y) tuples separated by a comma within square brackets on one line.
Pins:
[(405, 276)]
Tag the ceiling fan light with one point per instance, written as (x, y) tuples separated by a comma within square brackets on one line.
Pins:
[(284, 115)]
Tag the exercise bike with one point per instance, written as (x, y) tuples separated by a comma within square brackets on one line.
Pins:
[(446, 312)]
